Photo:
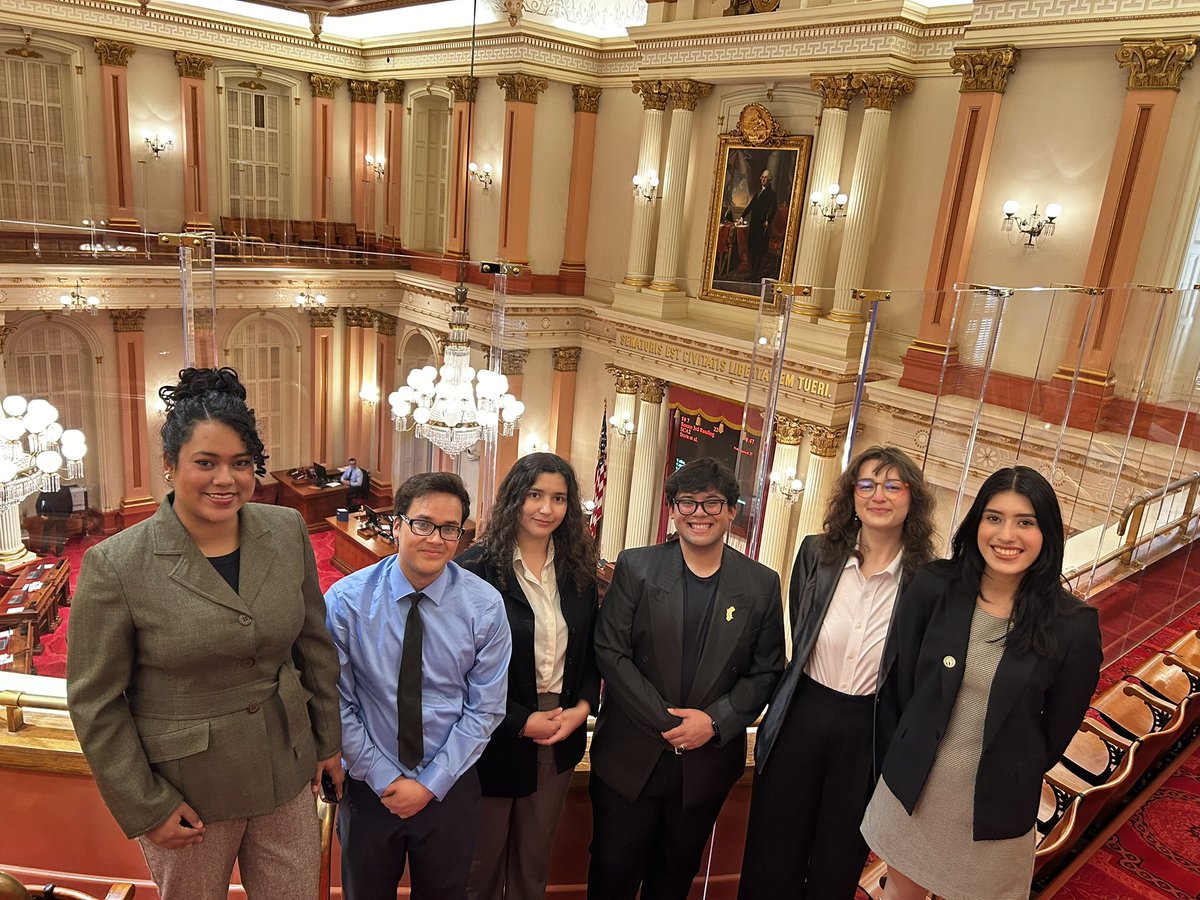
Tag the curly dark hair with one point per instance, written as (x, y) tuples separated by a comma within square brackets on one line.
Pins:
[(574, 548), (208, 395), (841, 522), (704, 474), (1041, 595)]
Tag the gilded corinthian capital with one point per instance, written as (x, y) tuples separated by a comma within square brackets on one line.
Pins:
[(984, 69), (393, 90), (788, 430), (127, 319), (521, 88), (363, 91), (192, 65), (835, 90), (880, 90), (587, 98), (653, 95), (1156, 64), (566, 359), (113, 53), (822, 441), (324, 85), (685, 93), (627, 382), (463, 88)]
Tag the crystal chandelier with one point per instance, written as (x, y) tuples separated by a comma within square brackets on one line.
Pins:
[(77, 301), (33, 448), (462, 406)]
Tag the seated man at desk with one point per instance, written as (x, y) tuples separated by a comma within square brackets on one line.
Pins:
[(352, 476)]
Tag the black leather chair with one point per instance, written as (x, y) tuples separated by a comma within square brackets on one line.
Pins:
[(358, 495)]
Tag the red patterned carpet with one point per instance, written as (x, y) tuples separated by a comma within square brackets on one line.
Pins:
[(52, 660), (1155, 854)]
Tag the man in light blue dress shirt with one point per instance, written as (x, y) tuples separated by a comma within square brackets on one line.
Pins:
[(428, 813)]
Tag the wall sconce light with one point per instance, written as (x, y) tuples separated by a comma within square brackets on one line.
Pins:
[(832, 206), (306, 300), (369, 395), (625, 427), (788, 485), (645, 186), (158, 146), (483, 176), (77, 301), (1035, 226), (376, 164)]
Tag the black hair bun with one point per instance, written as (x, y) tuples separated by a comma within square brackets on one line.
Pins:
[(195, 383)]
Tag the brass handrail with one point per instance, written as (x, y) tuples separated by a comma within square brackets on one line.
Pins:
[(327, 814), (14, 701), (1132, 514)]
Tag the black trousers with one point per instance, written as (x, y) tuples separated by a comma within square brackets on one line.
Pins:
[(652, 841), (439, 840), (803, 839)]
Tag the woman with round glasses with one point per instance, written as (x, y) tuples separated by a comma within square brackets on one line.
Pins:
[(813, 752), (993, 664), (538, 553)]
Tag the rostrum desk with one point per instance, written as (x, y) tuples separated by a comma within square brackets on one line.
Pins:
[(313, 502)]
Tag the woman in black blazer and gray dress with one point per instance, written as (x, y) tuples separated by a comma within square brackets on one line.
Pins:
[(813, 752), (992, 667), (537, 552)]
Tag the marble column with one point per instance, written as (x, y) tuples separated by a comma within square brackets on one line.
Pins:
[(774, 547), (118, 170), (387, 379), (463, 88), (836, 93), (620, 465), (192, 69), (324, 87), (1156, 68), (516, 170), (363, 105), (360, 372), (393, 142), (562, 399), (684, 96), (573, 270), (641, 231), (646, 491), (985, 72), (879, 91), (512, 364), (824, 445), (136, 500), (322, 398), (13, 553)]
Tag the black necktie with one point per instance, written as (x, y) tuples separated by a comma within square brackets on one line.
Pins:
[(410, 735)]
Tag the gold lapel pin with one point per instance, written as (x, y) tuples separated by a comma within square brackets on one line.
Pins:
[(729, 613), (948, 662)]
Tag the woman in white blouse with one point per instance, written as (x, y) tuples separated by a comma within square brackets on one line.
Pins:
[(813, 751), (538, 553)]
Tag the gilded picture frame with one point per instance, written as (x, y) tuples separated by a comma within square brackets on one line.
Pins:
[(755, 210)]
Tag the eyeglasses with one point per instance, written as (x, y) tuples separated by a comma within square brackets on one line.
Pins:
[(865, 487), (424, 528), (687, 506)]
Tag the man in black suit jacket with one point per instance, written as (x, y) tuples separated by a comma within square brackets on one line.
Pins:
[(689, 641)]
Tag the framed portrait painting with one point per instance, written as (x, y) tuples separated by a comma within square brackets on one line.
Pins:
[(757, 204)]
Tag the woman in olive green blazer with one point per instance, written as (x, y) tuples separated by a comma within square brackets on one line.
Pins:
[(201, 679)]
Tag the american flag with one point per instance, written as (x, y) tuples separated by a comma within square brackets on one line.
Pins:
[(601, 476)]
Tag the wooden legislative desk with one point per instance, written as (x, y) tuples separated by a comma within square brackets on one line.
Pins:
[(35, 597), (315, 503), (354, 549), (16, 649)]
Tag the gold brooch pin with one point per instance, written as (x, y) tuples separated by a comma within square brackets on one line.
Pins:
[(948, 662), (729, 614)]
